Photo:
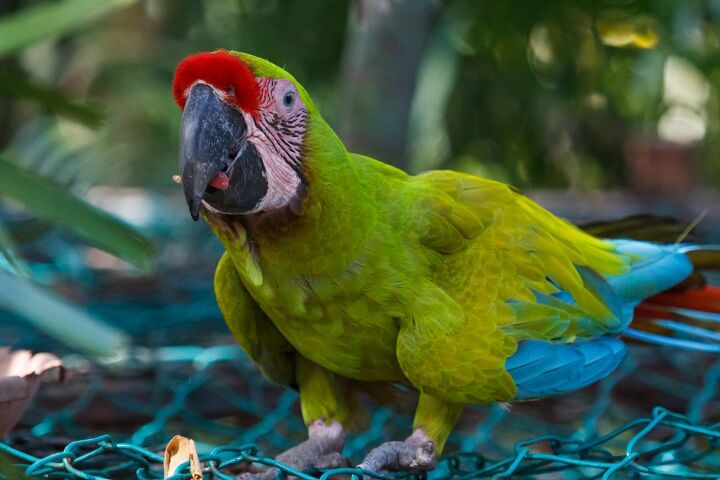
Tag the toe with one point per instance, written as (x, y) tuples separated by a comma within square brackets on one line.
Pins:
[(331, 460)]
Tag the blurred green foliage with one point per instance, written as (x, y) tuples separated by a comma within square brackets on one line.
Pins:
[(547, 94), (536, 93), (42, 176)]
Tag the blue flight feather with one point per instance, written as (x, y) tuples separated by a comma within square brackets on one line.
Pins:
[(541, 369)]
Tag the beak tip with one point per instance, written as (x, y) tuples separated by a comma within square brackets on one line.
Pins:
[(194, 203)]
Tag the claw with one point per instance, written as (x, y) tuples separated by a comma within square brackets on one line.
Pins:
[(417, 452)]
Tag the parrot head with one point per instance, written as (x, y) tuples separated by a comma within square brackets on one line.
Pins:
[(243, 133)]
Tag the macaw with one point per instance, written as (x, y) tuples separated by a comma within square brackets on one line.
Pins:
[(345, 276)]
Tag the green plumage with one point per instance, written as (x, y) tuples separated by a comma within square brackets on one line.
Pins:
[(387, 277)]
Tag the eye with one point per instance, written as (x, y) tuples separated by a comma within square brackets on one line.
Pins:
[(289, 99)]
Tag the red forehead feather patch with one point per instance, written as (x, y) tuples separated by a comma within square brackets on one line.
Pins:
[(223, 71)]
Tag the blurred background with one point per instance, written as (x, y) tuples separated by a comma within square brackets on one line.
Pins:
[(598, 109), (573, 94)]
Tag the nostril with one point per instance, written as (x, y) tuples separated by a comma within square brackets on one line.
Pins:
[(228, 159)]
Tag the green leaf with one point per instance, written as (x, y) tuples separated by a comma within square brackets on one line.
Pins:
[(8, 252), (46, 198), (63, 321), (8, 470), (54, 100), (48, 20)]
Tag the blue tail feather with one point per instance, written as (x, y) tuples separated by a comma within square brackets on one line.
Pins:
[(688, 330), (654, 268), (664, 340)]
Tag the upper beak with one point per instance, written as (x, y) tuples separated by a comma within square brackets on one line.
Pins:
[(211, 134)]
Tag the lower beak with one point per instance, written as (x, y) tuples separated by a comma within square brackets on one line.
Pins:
[(211, 134)]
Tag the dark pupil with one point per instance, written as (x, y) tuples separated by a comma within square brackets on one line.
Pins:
[(288, 99)]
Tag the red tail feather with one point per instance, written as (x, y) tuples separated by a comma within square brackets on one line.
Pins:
[(704, 299), (687, 307)]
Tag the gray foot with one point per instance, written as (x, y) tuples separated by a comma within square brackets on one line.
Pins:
[(417, 452), (322, 450)]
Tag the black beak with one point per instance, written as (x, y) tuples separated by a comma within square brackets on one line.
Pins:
[(211, 135)]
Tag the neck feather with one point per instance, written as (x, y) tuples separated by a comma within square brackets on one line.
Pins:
[(329, 220)]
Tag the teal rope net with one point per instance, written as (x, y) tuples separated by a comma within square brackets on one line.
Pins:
[(657, 416), (102, 457), (215, 396)]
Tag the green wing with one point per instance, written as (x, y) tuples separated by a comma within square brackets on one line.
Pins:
[(502, 247), (252, 329), (494, 249)]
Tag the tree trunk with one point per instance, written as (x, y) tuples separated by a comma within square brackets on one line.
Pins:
[(383, 49)]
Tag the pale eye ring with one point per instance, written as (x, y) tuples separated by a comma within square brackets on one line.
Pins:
[(288, 99)]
